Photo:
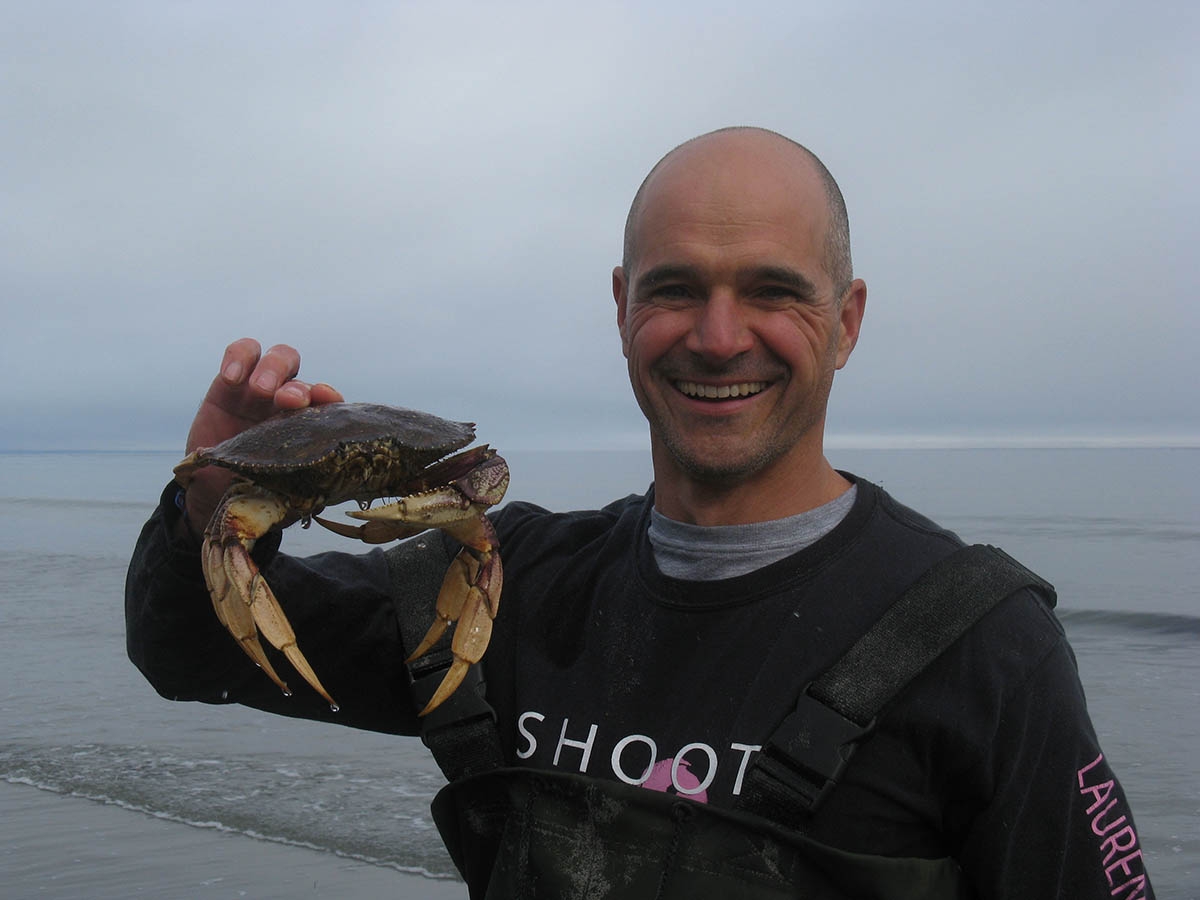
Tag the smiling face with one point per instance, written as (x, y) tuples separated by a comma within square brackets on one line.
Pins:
[(731, 324)]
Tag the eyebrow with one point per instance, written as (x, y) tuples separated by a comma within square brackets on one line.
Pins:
[(667, 272), (781, 275)]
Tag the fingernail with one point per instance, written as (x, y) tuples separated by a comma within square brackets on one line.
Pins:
[(266, 382), (233, 372)]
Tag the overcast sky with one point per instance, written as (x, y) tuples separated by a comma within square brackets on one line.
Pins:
[(428, 204)]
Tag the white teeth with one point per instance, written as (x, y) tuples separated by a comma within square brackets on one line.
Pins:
[(722, 392)]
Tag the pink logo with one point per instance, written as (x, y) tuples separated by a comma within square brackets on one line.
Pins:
[(673, 777)]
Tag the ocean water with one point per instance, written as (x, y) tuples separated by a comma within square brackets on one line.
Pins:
[(1117, 531)]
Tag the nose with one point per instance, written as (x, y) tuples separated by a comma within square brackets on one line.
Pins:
[(720, 331)]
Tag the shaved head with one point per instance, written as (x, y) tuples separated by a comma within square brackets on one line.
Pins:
[(837, 261)]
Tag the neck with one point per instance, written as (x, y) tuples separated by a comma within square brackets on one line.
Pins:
[(790, 485)]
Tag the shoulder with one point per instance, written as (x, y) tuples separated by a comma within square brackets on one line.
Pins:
[(1015, 646), (888, 512), (1010, 643), (878, 550), (521, 524), (1016, 649)]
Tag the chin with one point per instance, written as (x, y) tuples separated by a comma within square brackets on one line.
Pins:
[(719, 466)]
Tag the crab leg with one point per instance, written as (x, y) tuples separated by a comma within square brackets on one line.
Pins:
[(469, 595), (475, 574), (233, 613), (470, 591), (243, 601)]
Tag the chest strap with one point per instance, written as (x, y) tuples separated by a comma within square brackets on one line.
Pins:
[(802, 760), (461, 733), (804, 757)]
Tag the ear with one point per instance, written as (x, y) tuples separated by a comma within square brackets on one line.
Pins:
[(620, 289), (854, 305)]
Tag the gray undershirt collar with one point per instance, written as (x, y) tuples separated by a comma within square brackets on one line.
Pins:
[(710, 553)]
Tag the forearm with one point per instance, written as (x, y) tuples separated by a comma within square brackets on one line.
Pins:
[(338, 604), (171, 632)]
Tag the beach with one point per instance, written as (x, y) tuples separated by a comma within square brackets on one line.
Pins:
[(58, 846)]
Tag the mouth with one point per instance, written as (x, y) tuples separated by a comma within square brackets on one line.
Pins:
[(700, 391)]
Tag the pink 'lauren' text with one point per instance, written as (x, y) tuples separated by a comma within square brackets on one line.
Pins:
[(1124, 867)]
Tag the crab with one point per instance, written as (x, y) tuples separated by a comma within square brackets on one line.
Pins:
[(296, 463)]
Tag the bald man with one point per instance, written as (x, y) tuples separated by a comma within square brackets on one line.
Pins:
[(678, 699)]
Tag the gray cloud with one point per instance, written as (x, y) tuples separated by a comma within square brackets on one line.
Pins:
[(429, 203)]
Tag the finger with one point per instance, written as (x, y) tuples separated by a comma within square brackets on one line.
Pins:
[(293, 395), (239, 360), (296, 393), (325, 393), (277, 366), (228, 392)]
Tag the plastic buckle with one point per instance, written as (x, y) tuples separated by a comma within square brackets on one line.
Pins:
[(465, 704), (810, 749)]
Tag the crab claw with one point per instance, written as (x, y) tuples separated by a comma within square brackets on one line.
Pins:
[(470, 597), (470, 591), (242, 599), (371, 532)]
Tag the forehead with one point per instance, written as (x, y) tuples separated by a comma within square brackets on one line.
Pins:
[(735, 198)]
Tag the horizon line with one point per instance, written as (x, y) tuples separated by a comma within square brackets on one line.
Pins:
[(933, 441), (859, 441)]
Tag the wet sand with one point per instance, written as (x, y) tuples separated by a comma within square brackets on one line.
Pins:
[(59, 847)]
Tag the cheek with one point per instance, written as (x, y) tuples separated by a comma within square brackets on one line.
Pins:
[(800, 342), (651, 334), (646, 336)]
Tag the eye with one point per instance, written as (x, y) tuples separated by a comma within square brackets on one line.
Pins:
[(671, 293), (776, 295), (672, 290)]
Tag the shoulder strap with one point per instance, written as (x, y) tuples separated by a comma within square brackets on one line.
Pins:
[(462, 732), (807, 753)]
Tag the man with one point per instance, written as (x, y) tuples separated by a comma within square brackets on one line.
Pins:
[(661, 642)]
